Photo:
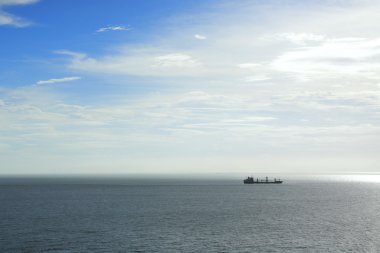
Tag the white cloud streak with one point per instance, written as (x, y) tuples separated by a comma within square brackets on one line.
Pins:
[(17, 2), (297, 38), (11, 20), (200, 37), (345, 56), (58, 80), (113, 28), (147, 62), (187, 125)]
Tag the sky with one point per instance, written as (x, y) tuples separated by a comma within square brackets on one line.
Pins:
[(189, 87)]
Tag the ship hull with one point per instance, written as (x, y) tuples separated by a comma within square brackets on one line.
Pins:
[(277, 182), (251, 180)]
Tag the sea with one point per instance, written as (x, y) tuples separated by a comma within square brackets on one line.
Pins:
[(304, 214)]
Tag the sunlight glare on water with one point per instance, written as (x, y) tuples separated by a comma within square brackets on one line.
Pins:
[(374, 178)]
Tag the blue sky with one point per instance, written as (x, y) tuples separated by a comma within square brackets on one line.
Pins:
[(189, 86), (48, 26)]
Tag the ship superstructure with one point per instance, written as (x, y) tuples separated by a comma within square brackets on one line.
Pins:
[(252, 180)]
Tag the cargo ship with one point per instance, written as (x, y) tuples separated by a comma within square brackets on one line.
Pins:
[(251, 180)]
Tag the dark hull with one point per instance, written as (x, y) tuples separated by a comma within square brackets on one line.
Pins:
[(277, 182), (252, 180)]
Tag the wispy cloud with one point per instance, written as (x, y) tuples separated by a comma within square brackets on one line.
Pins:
[(11, 20), (334, 58), (200, 37), (113, 28), (58, 80), (144, 62), (242, 50), (244, 85), (297, 38), (186, 124), (175, 60), (16, 2)]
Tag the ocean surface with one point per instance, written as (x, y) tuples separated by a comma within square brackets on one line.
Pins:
[(338, 214)]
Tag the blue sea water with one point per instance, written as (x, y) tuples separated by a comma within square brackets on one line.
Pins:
[(131, 215)]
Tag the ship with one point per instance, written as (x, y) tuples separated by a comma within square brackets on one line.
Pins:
[(251, 180)]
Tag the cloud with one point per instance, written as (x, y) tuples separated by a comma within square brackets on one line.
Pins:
[(187, 125), (74, 55), (144, 62), (200, 37), (182, 116), (242, 51), (336, 57), (175, 60), (257, 78), (17, 2), (249, 65), (59, 80), (8, 19), (11, 20), (113, 28), (297, 38), (239, 96)]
